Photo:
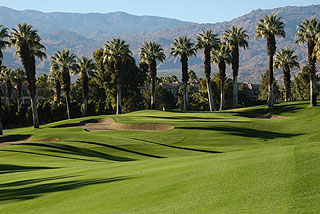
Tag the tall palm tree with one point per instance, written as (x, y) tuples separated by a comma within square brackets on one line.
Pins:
[(207, 40), (7, 76), (308, 31), (64, 61), (116, 52), (150, 53), (235, 38), (55, 79), (268, 28), (222, 56), (3, 41), (19, 78), (3, 44), (28, 48), (87, 69), (184, 48), (286, 60)]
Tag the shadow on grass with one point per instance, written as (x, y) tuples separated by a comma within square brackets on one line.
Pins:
[(120, 149), (38, 190), (244, 132), (48, 155), (176, 147), (8, 168), (81, 123), (73, 150), (278, 109), (13, 138), (33, 181)]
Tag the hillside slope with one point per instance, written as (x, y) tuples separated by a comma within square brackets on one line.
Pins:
[(83, 33)]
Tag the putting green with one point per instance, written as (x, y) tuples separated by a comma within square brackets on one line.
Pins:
[(221, 162)]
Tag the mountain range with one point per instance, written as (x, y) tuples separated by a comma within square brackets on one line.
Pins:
[(83, 33)]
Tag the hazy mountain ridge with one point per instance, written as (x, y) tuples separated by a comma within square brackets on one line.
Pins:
[(253, 61)]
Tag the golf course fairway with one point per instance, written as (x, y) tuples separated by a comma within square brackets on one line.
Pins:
[(221, 162)]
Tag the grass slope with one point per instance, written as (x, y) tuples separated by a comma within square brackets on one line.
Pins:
[(210, 163)]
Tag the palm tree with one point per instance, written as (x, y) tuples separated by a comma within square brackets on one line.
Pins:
[(207, 40), (7, 76), (222, 56), (19, 78), (235, 38), (268, 28), (64, 61), (86, 68), (55, 79), (150, 53), (116, 52), (286, 60), (3, 44), (308, 31), (28, 48), (184, 48)]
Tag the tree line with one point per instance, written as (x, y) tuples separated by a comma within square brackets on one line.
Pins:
[(113, 75)]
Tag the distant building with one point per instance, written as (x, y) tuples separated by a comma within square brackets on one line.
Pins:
[(254, 89), (174, 87), (25, 96)]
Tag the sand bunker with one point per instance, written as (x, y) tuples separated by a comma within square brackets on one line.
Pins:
[(109, 124), (17, 139), (263, 116)]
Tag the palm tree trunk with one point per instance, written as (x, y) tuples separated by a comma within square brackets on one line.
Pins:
[(235, 91), (34, 111), (210, 96), (153, 89), (313, 96), (153, 73), (235, 69), (287, 86), (186, 98), (185, 78), (118, 111), (270, 101), (312, 72), (8, 89), (207, 71), (221, 95), (1, 128), (85, 106), (68, 104), (19, 86)]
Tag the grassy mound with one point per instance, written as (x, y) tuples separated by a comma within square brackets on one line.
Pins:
[(218, 162)]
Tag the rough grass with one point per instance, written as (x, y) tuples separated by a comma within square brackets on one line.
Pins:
[(217, 162)]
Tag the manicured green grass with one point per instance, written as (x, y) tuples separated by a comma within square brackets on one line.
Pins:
[(210, 163)]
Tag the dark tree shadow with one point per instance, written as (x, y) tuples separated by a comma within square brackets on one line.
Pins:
[(33, 181), (81, 123), (8, 168), (38, 190), (120, 149), (73, 150), (48, 155), (13, 138), (278, 109), (177, 147), (244, 132)]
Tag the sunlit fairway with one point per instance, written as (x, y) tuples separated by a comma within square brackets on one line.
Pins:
[(217, 162)]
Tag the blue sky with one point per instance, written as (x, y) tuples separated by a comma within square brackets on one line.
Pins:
[(201, 11)]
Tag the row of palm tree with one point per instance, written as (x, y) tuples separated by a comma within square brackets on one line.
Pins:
[(116, 52), (62, 63), (12, 76)]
